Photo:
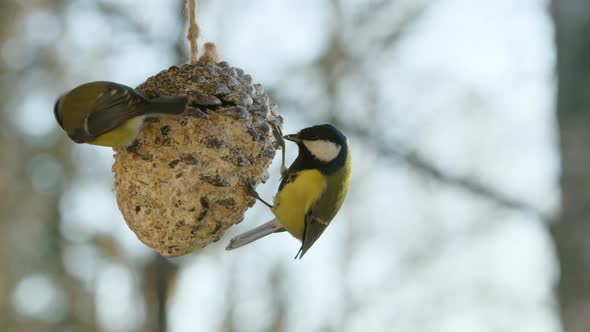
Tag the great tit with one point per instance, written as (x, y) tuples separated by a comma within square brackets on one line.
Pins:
[(311, 191), (110, 114)]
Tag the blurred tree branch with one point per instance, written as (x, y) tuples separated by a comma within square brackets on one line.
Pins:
[(406, 21), (278, 282), (333, 66), (130, 20), (159, 273), (398, 151), (401, 152), (572, 232), (337, 61)]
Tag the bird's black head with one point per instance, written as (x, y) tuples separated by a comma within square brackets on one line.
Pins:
[(323, 147), (56, 111)]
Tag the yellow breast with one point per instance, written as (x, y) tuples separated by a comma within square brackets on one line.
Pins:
[(296, 198), (122, 135)]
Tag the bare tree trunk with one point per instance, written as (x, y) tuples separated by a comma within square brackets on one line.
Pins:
[(572, 233), (158, 275)]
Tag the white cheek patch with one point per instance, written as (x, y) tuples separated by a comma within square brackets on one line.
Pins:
[(325, 151)]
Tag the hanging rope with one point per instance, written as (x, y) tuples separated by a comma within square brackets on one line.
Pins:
[(193, 30), (210, 54)]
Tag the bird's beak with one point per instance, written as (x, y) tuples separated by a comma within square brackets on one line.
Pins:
[(292, 138)]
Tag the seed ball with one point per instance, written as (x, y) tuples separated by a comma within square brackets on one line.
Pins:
[(182, 184)]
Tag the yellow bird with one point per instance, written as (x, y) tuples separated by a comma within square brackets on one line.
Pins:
[(110, 114), (312, 190)]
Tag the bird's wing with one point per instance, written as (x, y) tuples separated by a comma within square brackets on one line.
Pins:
[(322, 211), (313, 229), (115, 105), (314, 224)]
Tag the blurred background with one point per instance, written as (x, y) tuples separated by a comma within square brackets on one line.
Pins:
[(469, 205)]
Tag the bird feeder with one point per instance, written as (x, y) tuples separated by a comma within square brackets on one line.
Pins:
[(184, 182)]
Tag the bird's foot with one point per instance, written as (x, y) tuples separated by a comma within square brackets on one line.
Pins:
[(252, 192), (195, 112), (278, 135), (133, 147)]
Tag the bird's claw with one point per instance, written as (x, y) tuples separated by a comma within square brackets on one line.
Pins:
[(133, 147), (278, 135), (250, 189), (195, 112), (252, 192)]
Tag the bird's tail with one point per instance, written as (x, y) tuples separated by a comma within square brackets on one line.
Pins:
[(252, 235), (166, 105)]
